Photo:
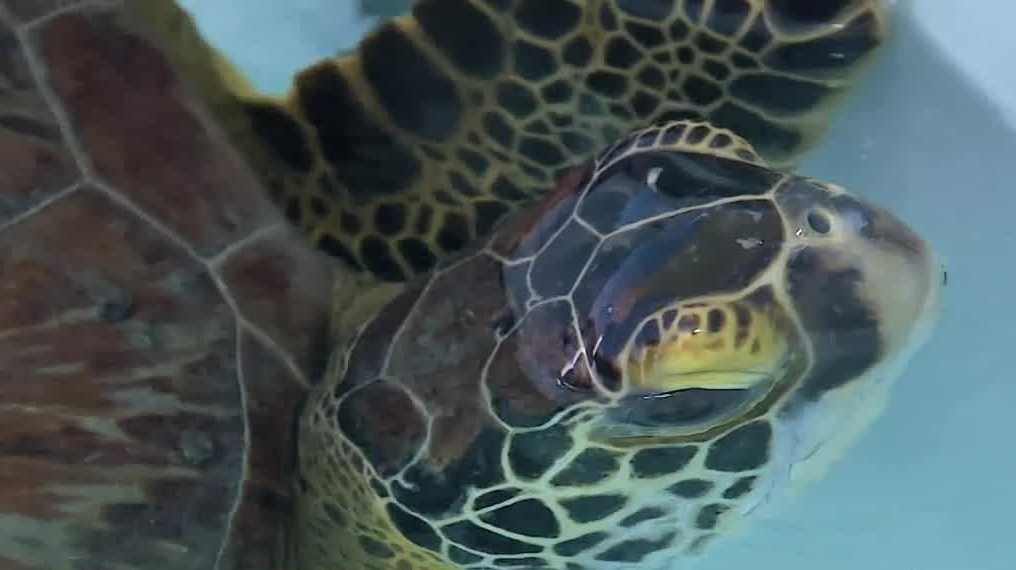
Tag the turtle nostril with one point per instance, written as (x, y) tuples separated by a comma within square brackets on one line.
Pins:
[(819, 222)]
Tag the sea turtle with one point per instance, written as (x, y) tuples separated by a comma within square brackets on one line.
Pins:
[(569, 313)]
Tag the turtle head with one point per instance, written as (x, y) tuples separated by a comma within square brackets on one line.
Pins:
[(718, 289), (804, 292)]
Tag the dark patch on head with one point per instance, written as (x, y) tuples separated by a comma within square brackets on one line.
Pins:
[(532, 453), (660, 461), (591, 508), (548, 19), (577, 52), (607, 83), (382, 421), (709, 516), (841, 324), (778, 95), (589, 467), (636, 550), (378, 259), (283, 133), (411, 88), (741, 487), (828, 53), (366, 157), (533, 62), (743, 449), (528, 517), (580, 544), (655, 10), (690, 488), (414, 528), (483, 540)]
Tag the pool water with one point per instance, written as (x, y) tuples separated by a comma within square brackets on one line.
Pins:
[(931, 134)]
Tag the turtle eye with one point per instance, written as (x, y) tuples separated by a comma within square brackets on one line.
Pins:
[(818, 222)]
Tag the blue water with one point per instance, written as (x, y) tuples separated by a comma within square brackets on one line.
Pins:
[(932, 485)]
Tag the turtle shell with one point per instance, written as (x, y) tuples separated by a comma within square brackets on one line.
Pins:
[(160, 324)]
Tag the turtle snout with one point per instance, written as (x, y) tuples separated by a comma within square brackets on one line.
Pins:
[(872, 263)]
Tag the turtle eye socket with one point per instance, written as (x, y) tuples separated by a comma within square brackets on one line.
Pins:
[(818, 222)]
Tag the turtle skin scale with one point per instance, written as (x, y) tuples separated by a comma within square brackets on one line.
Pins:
[(615, 377)]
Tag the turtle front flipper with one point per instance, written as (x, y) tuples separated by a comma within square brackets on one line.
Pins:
[(160, 322), (443, 120)]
